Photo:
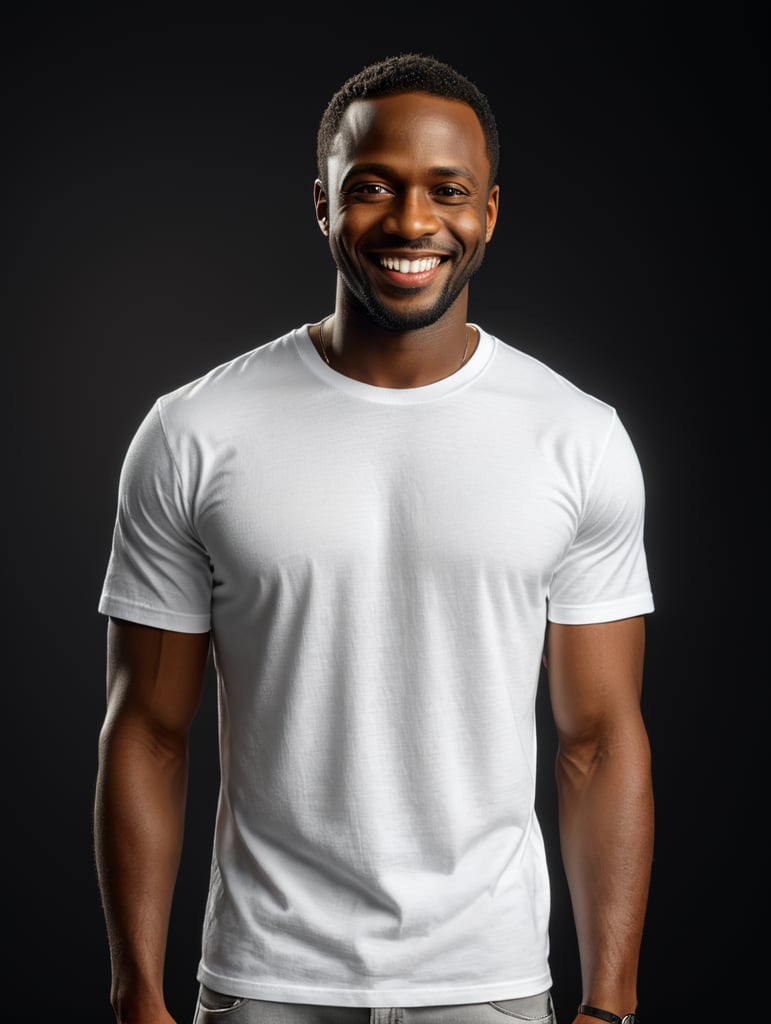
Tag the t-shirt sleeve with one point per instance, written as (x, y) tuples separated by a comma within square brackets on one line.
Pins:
[(603, 575), (158, 573)]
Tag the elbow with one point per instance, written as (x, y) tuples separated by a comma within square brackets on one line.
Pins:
[(622, 749)]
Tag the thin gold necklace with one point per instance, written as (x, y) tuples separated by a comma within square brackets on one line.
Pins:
[(326, 356)]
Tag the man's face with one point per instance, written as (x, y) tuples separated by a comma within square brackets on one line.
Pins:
[(407, 208)]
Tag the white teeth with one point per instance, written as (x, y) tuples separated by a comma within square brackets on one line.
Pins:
[(409, 266)]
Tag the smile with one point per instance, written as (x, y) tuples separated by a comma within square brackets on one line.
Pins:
[(409, 266)]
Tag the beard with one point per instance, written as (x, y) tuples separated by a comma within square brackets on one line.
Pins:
[(368, 303)]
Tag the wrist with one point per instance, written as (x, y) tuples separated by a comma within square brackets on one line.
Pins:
[(597, 1013)]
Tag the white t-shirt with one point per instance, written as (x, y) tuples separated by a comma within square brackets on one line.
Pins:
[(377, 567)]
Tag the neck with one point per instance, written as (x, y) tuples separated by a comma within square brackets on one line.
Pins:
[(352, 345)]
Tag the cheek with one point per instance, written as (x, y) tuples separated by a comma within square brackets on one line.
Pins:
[(472, 227), (470, 218), (349, 230), (344, 254), (354, 221)]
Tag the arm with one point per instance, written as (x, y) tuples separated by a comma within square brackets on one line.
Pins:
[(605, 796), (154, 686)]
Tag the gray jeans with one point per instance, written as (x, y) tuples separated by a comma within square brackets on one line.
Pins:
[(213, 1007)]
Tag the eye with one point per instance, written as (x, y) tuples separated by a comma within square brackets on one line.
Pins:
[(450, 192), (367, 189)]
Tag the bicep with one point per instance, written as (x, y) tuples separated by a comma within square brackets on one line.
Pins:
[(155, 677), (595, 676)]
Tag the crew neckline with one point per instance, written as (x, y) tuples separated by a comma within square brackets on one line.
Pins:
[(462, 377)]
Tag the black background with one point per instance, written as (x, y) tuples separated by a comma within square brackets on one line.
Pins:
[(158, 220)]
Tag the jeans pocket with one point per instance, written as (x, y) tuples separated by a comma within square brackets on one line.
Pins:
[(529, 1010), (214, 1006)]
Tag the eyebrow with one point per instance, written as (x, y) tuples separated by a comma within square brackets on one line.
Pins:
[(435, 172)]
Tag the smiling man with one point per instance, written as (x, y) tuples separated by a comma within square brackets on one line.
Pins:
[(408, 207), (382, 523)]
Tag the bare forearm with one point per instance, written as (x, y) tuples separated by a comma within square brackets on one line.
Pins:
[(139, 824), (606, 830)]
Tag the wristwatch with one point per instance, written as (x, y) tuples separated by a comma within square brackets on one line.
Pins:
[(611, 1018)]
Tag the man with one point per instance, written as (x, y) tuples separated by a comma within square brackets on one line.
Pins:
[(374, 518)]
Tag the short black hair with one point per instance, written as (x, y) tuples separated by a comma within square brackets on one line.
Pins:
[(407, 72)]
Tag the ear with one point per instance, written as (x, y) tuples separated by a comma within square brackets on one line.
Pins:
[(492, 211), (322, 207)]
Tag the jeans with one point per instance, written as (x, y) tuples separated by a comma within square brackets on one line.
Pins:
[(212, 1007)]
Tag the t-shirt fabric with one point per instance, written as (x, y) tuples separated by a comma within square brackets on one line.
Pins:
[(377, 567)]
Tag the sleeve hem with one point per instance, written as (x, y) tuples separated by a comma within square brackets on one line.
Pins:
[(607, 611), (162, 618)]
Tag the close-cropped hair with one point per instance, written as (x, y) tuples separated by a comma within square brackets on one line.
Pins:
[(407, 72)]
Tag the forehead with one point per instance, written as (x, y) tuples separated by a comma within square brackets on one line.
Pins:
[(415, 129)]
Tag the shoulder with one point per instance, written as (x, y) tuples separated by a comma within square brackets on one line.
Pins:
[(251, 380), (547, 393), (207, 413)]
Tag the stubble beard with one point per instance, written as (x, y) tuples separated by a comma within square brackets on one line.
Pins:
[(367, 303)]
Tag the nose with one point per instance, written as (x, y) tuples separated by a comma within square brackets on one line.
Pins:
[(411, 215)]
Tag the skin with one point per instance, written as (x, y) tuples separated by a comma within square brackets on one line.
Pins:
[(154, 687), (605, 791), (407, 179)]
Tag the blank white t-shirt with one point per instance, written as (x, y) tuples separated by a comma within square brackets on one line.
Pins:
[(377, 567)]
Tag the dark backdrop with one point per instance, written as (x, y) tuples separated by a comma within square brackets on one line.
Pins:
[(158, 220)]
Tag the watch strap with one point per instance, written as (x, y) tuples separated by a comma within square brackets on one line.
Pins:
[(606, 1015)]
